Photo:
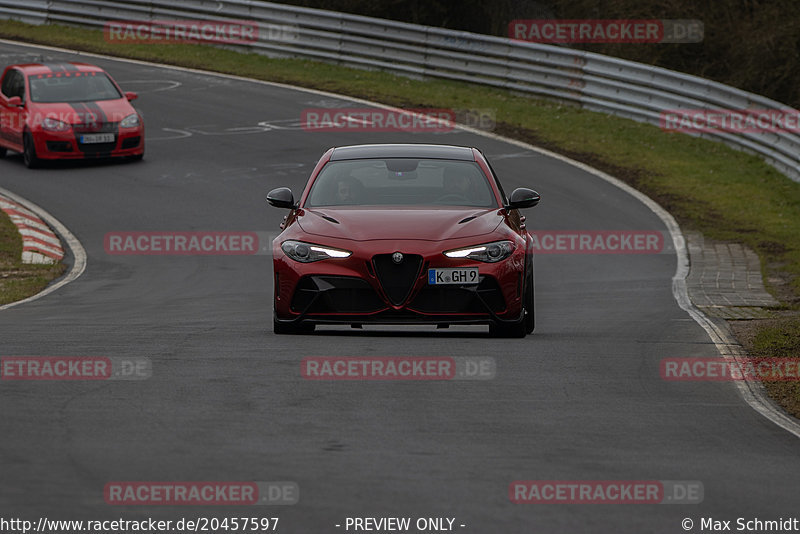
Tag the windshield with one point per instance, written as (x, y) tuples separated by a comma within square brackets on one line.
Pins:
[(401, 182), (80, 87)]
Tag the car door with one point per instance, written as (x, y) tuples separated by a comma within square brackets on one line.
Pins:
[(12, 117)]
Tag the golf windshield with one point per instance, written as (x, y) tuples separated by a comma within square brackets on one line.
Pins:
[(79, 87)]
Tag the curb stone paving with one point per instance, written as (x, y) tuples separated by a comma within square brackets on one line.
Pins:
[(725, 279), (39, 243)]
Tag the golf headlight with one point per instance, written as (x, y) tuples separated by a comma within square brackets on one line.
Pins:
[(54, 125), (308, 252), (488, 252), (131, 121)]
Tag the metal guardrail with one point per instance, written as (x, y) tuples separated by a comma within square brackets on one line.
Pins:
[(593, 81)]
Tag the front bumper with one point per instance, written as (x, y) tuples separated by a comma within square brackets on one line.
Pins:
[(67, 145), (358, 290)]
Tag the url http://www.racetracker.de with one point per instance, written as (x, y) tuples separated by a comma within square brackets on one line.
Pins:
[(195, 524)]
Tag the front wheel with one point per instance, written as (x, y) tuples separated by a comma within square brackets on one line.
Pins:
[(526, 324), (518, 329), (530, 318), (29, 156)]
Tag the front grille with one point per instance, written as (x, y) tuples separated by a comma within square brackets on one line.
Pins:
[(397, 279), (96, 128), (335, 294), (98, 148), (460, 299)]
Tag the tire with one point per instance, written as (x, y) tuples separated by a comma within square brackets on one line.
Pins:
[(530, 317), (291, 329), (29, 156), (527, 323), (3, 152), (517, 329)]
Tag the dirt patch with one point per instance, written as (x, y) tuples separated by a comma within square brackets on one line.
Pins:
[(773, 338)]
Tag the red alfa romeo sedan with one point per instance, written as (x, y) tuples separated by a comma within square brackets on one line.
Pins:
[(54, 111), (404, 234)]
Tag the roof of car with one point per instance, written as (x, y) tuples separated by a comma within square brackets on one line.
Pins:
[(57, 68), (409, 150)]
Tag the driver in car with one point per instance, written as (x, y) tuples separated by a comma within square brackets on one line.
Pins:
[(457, 186), (345, 191)]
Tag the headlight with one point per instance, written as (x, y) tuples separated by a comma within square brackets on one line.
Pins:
[(54, 125), (131, 121), (488, 252), (308, 252)]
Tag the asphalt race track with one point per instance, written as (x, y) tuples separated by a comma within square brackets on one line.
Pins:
[(580, 399)]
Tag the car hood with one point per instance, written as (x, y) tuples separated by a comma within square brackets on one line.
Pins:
[(86, 112), (428, 224)]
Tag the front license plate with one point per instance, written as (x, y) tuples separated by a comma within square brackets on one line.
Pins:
[(468, 275), (97, 138)]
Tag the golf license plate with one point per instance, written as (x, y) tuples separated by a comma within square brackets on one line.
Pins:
[(468, 275), (97, 138)]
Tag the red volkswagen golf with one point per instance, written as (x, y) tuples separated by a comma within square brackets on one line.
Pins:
[(404, 234), (66, 111)]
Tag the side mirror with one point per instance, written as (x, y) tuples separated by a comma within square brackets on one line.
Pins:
[(523, 198), (15, 102), (130, 95), (281, 197)]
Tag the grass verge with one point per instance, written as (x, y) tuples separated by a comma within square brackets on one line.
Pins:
[(708, 187)]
